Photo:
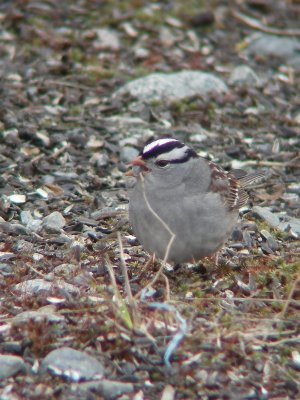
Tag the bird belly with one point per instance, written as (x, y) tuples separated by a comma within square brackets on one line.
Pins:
[(181, 230)]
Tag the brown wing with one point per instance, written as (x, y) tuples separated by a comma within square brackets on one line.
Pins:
[(231, 185), (228, 186)]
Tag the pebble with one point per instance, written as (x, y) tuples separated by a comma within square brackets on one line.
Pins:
[(54, 222), (237, 235), (17, 198), (247, 238), (284, 223), (5, 269), (272, 242), (35, 225), (35, 286), (6, 255), (36, 316), (108, 389), (172, 87), (243, 75), (26, 217), (67, 270), (10, 365), (108, 39), (271, 218), (22, 246), (128, 153), (12, 346), (18, 229), (100, 160), (72, 364), (37, 257)]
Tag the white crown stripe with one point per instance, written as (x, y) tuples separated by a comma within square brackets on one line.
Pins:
[(157, 143)]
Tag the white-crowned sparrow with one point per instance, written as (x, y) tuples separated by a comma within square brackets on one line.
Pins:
[(181, 194)]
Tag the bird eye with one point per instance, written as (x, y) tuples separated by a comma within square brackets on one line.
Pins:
[(162, 163)]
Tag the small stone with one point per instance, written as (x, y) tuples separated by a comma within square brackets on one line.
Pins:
[(237, 235), (247, 239), (19, 229), (290, 197), (37, 257), (35, 225), (42, 193), (22, 246), (72, 364), (141, 53), (65, 270), (108, 39), (13, 346), (54, 222), (271, 241), (10, 366), (244, 76), (296, 359), (35, 286), (36, 316), (283, 48), (43, 391), (108, 389), (25, 217), (128, 153), (6, 255), (271, 218), (17, 198), (291, 225), (5, 269), (11, 136), (100, 160)]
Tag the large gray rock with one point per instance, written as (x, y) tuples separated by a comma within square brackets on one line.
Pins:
[(72, 364), (172, 87), (286, 49)]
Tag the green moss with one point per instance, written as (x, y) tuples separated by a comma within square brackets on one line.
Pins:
[(189, 7), (76, 54), (198, 293), (75, 110)]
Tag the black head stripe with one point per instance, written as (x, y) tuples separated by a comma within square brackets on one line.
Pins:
[(159, 147)]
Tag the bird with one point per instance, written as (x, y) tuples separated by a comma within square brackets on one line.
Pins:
[(183, 207)]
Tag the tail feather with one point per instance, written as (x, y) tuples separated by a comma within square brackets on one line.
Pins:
[(251, 178)]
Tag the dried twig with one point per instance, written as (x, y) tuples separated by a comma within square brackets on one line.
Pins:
[(131, 299), (122, 310), (261, 163), (289, 300), (168, 248), (50, 82), (167, 287), (255, 24), (36, 271)]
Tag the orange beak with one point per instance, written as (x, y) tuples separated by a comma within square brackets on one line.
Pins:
[(137, 162)]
